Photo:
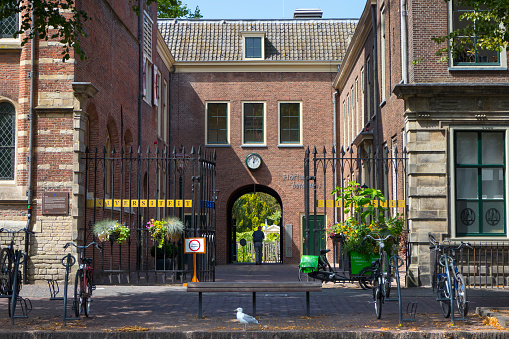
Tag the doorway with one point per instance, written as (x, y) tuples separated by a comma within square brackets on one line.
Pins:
[(249, 207), (317, 234)]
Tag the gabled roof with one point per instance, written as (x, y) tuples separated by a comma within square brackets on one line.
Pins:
[(285, 40)]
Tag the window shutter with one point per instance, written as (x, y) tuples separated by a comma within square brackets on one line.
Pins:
[(155, 93), (144, 77)]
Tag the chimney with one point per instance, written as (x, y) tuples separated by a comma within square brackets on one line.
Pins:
[(308, 13)]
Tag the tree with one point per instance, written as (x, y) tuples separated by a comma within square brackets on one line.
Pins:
[(250, 211), (175, 9), (69, 21), (485, 27)]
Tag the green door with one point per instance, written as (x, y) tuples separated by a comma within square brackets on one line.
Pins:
[(317, 234)]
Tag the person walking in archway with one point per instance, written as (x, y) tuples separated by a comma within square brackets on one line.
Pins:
[(258, 237)]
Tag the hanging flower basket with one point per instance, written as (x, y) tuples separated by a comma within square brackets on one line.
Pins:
[(111, 230), (170, 228)]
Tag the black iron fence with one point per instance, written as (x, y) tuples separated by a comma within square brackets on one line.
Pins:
[(326, 170), (134, 187)]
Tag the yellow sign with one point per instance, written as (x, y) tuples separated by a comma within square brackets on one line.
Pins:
[(160, 203), (142, 203), (178, 203), (375, 203), (188, 203)]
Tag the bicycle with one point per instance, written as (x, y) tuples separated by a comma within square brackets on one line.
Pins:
[(381, 274), (448, 280), (83, 283), (8, 257), (321, 269)]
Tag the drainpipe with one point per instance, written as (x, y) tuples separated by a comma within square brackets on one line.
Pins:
[(30, 144), (404, 49), (375, 75), (334, 94), (140, 70)]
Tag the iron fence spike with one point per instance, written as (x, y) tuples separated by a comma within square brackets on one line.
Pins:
[(148, 150), (192, 150), (174, 150), (324, 150), (333, 149), (314, 150)]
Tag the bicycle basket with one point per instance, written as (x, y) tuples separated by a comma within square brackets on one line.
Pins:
[(308, 263)]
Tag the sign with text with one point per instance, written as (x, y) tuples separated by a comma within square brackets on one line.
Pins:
[(194, 245), (55, 203)]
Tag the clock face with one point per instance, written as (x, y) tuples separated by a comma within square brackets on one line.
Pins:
[(253, 161)]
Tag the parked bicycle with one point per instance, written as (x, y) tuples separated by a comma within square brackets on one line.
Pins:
[(448, 282), (381, 273), (84, 282), (318, 267), (8, 257)]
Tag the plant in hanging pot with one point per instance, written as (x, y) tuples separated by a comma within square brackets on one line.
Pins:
[(164, 256), (170, 228), (108, 229)]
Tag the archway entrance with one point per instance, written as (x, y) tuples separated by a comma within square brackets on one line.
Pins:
[(242, 196)]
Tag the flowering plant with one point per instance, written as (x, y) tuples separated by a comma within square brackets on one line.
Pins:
[(171, 228), (364, 218), (108, 229)]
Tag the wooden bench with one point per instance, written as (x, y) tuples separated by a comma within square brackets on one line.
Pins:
[(253, 287)]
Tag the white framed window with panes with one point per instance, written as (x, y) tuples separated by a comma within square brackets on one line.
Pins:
[(149, 69), (253, 45), (9, 27), (478, 166), (253, 123), (217, 123), (7, 142), (471, 58), (290, 123)]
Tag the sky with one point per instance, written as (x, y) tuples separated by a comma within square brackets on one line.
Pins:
[(275, 9)]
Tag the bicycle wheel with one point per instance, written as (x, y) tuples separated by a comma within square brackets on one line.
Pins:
[(5, 271), (386, 271), (443, 295), (461, 295), (366, 278), (78, 293), (302, 275), (88, 298), (377, 297)]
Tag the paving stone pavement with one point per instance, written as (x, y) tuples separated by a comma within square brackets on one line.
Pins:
[(340, 310)]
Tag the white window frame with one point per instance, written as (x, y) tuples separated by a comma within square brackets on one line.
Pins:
[(12, 182), (148, 78), (260, 35), (503, 52), (11, 40), (255, 144), (301, 127), (165, 111), (160, 119), (452, 192), (382, 54), (228, 113)]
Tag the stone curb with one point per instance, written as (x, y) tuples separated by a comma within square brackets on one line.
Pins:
[(492, 312), (260, 335)]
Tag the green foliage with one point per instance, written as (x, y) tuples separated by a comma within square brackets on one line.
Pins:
[(364, 218), (108, 229), (169, 248), (251, 210), (175, 9), (488, 23), (271, 237), (61, 20)]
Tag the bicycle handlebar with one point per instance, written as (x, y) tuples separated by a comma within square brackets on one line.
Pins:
[(435, 245), (82, 247), (17, 231), (379, 239)]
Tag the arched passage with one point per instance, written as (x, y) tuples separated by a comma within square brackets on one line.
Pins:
[(229, 224)]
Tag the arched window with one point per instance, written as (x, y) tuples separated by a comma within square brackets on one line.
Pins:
[(108, 165), (7, 140)]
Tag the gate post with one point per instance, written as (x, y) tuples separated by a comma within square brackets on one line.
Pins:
[(305, 247)]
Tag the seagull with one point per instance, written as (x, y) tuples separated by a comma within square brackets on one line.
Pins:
[(245, 318)]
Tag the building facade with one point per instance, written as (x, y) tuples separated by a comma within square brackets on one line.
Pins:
[(256, 90), (52, 112), (450, 117)]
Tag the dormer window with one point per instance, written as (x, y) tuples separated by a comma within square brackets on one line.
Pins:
[(254, 45)]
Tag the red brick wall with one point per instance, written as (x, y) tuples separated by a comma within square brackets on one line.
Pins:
[(190, 91)]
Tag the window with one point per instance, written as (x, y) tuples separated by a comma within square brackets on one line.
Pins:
[(290, 123), (471, 56), (7, 140), (254, 45), (160, 119), (108, 165), (479, 183), (9, 26), (217, 123), (368, 90), (253, 121), (165, 111), (382, 53), (147, 81)]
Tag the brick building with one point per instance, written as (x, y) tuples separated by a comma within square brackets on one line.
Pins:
[(52, 111), (450, 117), (260, 87)]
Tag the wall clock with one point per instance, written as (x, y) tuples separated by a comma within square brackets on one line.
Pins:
[(253, 161)]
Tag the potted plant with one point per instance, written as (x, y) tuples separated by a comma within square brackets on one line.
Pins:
[(171, 228), (108, 229), (364, 218)]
